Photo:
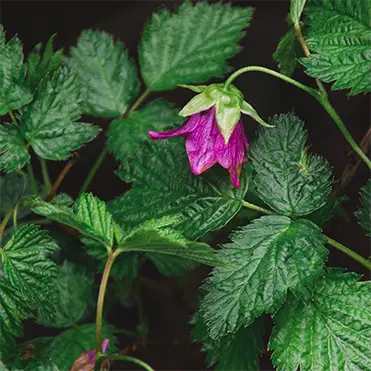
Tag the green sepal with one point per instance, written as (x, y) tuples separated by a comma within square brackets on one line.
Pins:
[(198, 103), (195, 88), (227, 115), (248, 109)]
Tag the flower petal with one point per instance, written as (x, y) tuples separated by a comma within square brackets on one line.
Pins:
[(105, 345), (200, 102), (233, 154), (200, 143), (190, 124)]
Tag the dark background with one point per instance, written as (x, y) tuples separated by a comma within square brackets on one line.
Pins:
[(166, 303)]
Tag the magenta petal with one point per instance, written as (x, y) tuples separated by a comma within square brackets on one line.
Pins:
[(200, 143), (190, 125), (105, 345), (91, 354), (233, 154)]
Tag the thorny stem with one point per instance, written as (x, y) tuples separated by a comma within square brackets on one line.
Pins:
[(330, 241), (321, 98), (31, 177), (104, 152), (45, 174), (137, 361)]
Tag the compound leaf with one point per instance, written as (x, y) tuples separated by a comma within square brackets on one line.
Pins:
[(49, 122), (265, 259), (107, 74), (340, 36), (288, 179), (330, 330), (192, 44)]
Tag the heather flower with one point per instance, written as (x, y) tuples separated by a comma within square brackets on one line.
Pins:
[(214, 130)]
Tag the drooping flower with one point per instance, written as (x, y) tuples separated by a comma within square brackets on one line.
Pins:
[(86, 361), (214, 130)]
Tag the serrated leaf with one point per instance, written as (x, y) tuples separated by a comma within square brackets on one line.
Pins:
[(296, 9), (126, 135), (3, 367), (73, 289), (165, 186), (364, 213), (49, 122), (39, 65), (13, 309), (192, 44), (108, 76), (14, 92), (289, 180), (13, 152), (288, 50), (26, 264), (329, 331), (340, 36), (89, 216), (267, 258), (67, 347), (231, 352), (13, 187)]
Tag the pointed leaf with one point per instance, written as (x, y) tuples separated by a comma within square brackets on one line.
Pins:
[(329, 331), (364, 213), (126, 135), (265, 259), (26, 264), (106, 72), (165, 186), (192, 44), (296, 9), (49, 122), (288, 180), (340, 37)]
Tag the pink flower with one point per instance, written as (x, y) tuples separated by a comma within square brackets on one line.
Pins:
[(206, 145)]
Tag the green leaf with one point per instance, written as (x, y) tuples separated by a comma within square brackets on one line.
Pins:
[(296, 9), (364, 213), (13, 310), (192, 44), (89, 216), (40, 65), (3, 367), (126, 135), (267, 258), (49, 122), (14, 93), (230, 352), (288, 180), (165, 186), (13, 187), (329, 331), (288, 50), (13, 152), (67, 347), (27, 266), (106, 72), (340, 36), (73, 289)]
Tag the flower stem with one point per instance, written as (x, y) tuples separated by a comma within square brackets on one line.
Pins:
[(5, 220), (31, 177), (102, 292), (45, 174), (320, 96), (330, 241), (137, 361)]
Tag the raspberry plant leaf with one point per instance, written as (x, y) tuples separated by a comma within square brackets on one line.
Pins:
[(231, 352), (330, 330), (27, 265), (165, 186), (13, 309), (73, 288), (340, 36), (289, 180), (40, 64), (192, 44), (49, 122), (364, 212), (265, 259), (13, 152), (126, 135), (89, 216), (296, 9), (14, 92), (107, 73)]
